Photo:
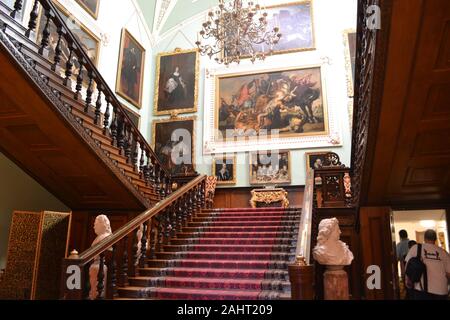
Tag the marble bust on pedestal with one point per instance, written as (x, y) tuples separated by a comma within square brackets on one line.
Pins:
[(330, 250), (102, 228)]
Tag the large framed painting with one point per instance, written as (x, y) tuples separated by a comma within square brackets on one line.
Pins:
[(296, 24), (173, 142), (91, 6), (224, 168), (350, 59), (270, 167), (134, 116), (89, 41), (268, 109), (176, 88), (130, 73), (315, 160)]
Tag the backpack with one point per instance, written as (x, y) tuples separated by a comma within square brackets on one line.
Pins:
[(415, 268)]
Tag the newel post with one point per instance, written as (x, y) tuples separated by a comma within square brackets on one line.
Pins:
[(73, 276), (302, 278)]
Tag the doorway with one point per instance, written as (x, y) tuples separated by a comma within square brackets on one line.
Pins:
[(415, 223)]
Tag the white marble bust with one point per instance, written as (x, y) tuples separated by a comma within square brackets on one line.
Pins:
[(102, 229), (329, 249)]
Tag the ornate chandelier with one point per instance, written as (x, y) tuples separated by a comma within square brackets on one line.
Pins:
[(234, 31)]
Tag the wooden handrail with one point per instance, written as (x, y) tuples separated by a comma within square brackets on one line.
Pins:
[(125, 230), (92, 70)]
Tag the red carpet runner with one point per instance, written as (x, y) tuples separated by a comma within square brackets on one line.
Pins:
[(226, 254)]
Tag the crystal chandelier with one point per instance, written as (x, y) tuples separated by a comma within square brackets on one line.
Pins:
[(234, 31)]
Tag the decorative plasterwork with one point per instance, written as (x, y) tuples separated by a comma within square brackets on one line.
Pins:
[(162, 12)]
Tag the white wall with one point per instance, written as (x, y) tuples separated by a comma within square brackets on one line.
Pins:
[(331, 18)]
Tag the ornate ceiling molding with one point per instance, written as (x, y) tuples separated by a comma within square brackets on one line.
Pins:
[(162, 12)]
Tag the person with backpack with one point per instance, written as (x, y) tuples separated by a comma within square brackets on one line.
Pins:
[(428, 269)]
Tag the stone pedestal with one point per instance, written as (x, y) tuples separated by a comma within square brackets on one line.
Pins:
[(335, 283)]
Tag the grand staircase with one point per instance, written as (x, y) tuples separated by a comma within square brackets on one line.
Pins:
[(62, 124), (226, 254)]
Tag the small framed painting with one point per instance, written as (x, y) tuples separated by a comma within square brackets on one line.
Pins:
[(173, 142), (176, 88), (134, 116), (130, 73), (315, 160), (224, 168), (270, 167), (91, 6)]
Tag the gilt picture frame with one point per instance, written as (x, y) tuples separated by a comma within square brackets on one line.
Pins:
[(270, 167), (89, 40), (296, 23), (166, 137), (133, 115), (176, 84), (315, 159), (350, 59), (90, 6), (130, 69), (224, 168)]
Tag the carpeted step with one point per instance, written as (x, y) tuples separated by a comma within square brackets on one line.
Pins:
[(275, 274), (293, 223), (241, 229), (253, 209), (208, 235), (243, 214), (210, 283), (235, 248), (234, 241), (243, 219), (210, 255), (222, 264)]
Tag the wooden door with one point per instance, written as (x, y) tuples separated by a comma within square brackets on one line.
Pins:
[(377, 249)]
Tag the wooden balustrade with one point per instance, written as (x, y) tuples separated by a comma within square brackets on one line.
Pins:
[(78, 73), (161, 223)]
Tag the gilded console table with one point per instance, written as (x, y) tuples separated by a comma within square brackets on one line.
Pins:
[(268, 196)]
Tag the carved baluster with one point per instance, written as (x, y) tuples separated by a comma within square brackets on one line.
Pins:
[(204, 194), (45, 32), (80, 79), (121, 134), (58, 50), (168, 224), (157, 179), (87, 281), (143, 258), (185, 209), (100, 277), (123, 272), (107, 115), (146, 168), (153, 240), (114, 126), (128, 143), (17, 7), (179, 209), (163, 184), (98, 105), (190, 206), (134, 252), (33, 18), (161, 227), (69, 66), (142, 161), (113, 271), (89, 92), (151, 171), (174, 220), (135, 154)]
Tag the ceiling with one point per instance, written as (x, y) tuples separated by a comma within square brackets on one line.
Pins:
[(162, 15)]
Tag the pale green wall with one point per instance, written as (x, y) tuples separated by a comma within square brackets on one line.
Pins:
[(18, 191)]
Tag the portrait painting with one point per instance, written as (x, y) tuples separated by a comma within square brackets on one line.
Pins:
[(281, 103), (315, 160), (134, 116), (224, 168), (173, 142), (350, 59), (270, 167), (295, 21), (130, 73), (176, 87), (91, 6), (88, 40)]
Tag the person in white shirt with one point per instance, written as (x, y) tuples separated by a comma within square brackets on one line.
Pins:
[(437, 262)]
